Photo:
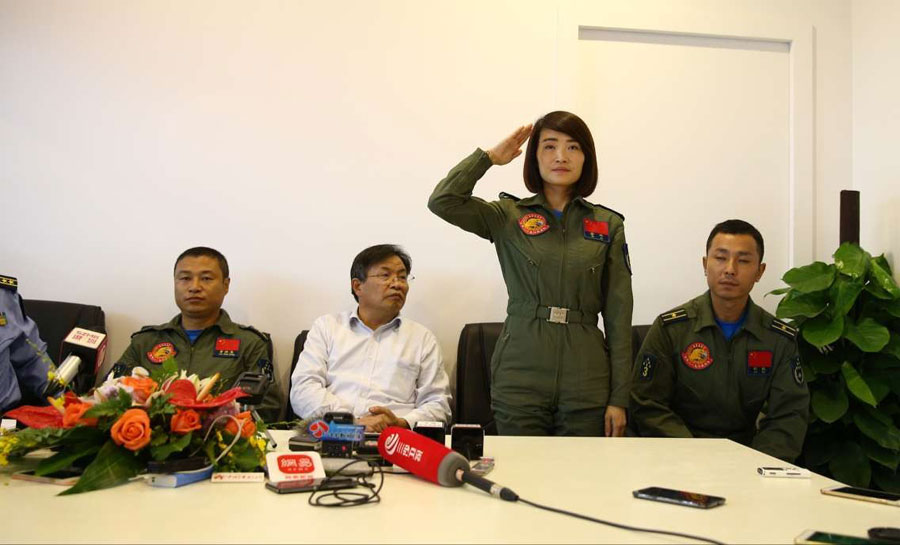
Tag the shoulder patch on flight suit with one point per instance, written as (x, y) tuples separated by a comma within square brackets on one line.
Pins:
[(3, 320), (783, 328), (533, 224), (675, 316), (266, 367), (648, 364), (608, 209), (797, 370), (9, 283), (505, 195)]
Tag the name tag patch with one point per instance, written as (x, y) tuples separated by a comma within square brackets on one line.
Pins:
[(596, 230), (759, 363), (227, 347)]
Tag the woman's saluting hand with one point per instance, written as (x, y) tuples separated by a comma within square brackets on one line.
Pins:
[(510, 147)]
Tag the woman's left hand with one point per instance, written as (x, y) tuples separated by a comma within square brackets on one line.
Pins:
[(614, 421)]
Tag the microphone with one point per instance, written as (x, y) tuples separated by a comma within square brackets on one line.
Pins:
[(434, 462), (83, 348)]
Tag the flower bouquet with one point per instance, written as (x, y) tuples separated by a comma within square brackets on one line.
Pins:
[(128, 422)]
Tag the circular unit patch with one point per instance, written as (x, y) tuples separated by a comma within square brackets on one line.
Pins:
[(697, 356), (161, 352), (533, 224)]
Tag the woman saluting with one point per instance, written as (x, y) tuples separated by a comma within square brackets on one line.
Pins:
[(564, 260)]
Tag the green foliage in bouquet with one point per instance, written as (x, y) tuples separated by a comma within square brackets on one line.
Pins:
[(848, 314), (128, 421)]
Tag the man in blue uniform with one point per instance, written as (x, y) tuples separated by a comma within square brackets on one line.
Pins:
[(24, 363)]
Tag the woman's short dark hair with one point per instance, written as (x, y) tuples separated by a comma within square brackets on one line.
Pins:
[(203, 251), (737, 227), (572, 125), (374, 255)]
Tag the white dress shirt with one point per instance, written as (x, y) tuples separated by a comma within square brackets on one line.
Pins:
[(345, 366)]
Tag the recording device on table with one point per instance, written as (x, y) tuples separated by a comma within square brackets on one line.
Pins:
[(468, 440), (680, 497), (864, 494), (787, 472), (876, 535), (255, 385), (84, 349)]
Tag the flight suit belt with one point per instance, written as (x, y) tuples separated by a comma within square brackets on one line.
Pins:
[(558, 315)]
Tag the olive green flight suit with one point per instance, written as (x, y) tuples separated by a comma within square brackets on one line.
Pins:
[(550, 377), (689, 381), (214, 351)]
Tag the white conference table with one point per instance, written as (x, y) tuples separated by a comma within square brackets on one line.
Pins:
[(592, 476)]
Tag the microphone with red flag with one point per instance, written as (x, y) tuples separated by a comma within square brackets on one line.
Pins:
[(434, 462)]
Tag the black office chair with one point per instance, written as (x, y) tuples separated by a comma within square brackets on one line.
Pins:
[(298, 347), (55, 319), (473, 371)]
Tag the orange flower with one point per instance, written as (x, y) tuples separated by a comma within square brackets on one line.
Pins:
[(142, 387), (185, 421), (74, 413), (248, 426), (132, 430)]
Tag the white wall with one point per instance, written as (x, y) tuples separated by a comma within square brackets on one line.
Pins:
[(876, 122), (290, 135)]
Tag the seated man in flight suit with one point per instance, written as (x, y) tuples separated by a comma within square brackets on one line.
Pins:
[(202, 338), (709, 367)]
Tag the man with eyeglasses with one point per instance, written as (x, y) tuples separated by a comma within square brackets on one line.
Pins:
[(383, 368)]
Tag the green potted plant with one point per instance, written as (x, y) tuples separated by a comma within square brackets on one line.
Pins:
[(848, 314)]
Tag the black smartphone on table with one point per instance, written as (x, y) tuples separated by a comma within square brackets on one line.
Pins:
[(679, 497)]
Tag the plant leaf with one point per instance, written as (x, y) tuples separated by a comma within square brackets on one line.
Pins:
[(113, 465), (857, 385), (852, 260), (879, 383), (886, 457), (177, 445), (867, 334), (878, 292), (830, 402), (874, 427), (818, 449), (843, 294), (816, 276), (886, 480), (111, 407), (65, 458), (779, 291), (823, 330), (850, 465), (893, 346), (881, 276), (796, 304)]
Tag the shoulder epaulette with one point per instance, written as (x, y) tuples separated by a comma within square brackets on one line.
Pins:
[(783, 328), (144, 329), (621, 215), (8, 283), (505, 195), (262, 334), (674, 316)]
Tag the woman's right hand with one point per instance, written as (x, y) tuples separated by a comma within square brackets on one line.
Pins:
[(510, 147)]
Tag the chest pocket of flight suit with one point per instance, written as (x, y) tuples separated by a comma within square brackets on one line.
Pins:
[(593, 262), (522, 272)]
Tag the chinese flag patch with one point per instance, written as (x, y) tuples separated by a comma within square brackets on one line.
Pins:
[(228, 345)]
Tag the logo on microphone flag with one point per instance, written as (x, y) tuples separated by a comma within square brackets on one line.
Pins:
[(393, 444), (390, 444)]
